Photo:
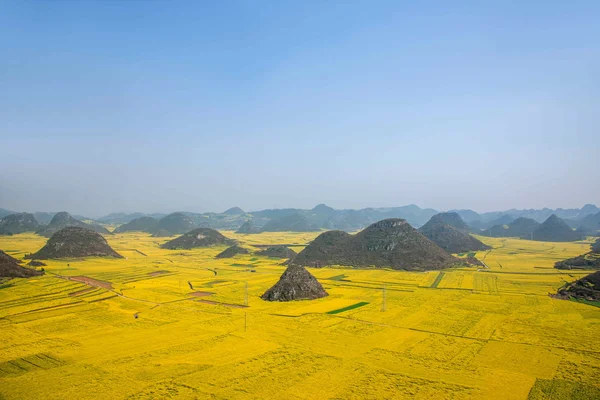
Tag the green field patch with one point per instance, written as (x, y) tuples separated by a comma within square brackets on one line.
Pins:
[(33, 362), (348, 308), (5, 285), (338, 278), (584, 301), (215, 282), (559, 389), (438, 279)]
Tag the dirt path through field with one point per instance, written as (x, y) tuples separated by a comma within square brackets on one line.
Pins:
[(201, 294), (91, 282)]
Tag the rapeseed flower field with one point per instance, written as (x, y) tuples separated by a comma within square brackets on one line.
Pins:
[(181, 324)]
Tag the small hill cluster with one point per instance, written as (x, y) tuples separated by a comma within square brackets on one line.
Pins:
[(10, 268), (452, 219), (176, 223), (294, 222), (142, 224), (248, 227), (589, 225), (521, 227), (64, 219), (390, 243), (296, 283), (555, 229), (201, 237), (290, 223), (277, 252), (232, 252), (36, 263), (487, 228), (449, 231), (75, 242), (586, 288), (18, 223), (173, 224), (590, 260)]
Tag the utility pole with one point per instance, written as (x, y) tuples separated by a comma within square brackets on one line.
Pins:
[(245, 321), (246, 295), (383, 300)]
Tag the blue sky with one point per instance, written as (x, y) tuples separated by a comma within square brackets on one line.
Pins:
[(174, 105)]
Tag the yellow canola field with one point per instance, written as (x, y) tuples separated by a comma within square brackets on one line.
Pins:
[(202, 330)]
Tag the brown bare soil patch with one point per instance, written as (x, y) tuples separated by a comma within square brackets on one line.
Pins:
[(92, 282), (201, 294), (156, 273), (215, 282)]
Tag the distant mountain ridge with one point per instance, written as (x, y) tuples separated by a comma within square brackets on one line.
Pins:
[(574, 217), (323, 217)]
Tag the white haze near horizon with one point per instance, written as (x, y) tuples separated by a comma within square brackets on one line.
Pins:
[(110, 107)]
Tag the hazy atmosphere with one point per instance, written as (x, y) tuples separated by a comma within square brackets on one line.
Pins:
[(303, 200), (106, 107)]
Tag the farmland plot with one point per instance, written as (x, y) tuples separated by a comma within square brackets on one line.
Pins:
[(182, 324)]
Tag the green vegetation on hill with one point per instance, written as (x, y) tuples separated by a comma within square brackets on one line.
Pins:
[(75, 242), (176, 223), (391, 243), (520, 227), (234, 211), (248, 228), (18, 223), (449, 237), (296, 283), (201, 237), (142, 224), (10, 268), (484, 227), (449, 218), (325, 217), (64, 219), (590, 260), (589, 225), (554, 229), (277, 252), (586, 288), (231, 252), (290, 223)]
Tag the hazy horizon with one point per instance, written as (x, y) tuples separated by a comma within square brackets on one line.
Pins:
[(169, 211), (162, 106)]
